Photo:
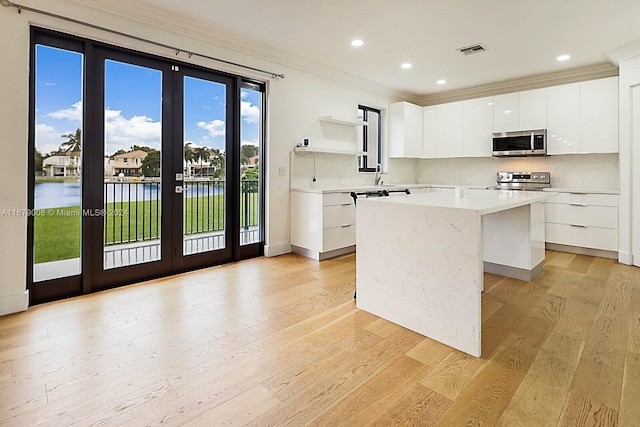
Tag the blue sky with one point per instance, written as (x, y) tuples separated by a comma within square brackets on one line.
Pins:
[(133, 105)]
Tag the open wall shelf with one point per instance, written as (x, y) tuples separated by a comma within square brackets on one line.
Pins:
[(340, 121)]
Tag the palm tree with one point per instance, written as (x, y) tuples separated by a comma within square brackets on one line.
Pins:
[(73, 143), (218, 162), (202, 154), (189, 158)]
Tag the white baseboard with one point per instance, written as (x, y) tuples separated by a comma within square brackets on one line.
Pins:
[(14, 303), (275, 250), (582, 251), (320, 256), (625, 258)]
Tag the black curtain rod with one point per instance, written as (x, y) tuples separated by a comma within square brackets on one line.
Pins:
[(7, 3)]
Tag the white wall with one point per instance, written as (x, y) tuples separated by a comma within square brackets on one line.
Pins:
[(14, 108), (330, 168), (586, 170), (629, 116), (294, 105)]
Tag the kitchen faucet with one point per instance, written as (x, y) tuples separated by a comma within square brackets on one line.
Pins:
[(378, 173)]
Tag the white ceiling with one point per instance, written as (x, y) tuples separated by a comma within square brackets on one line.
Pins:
[(523, 37)]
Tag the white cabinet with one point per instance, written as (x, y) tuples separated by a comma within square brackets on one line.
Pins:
[(583, 220), (322, 223), (599, 116), (583, 117), (525, 110), (429, 132), (563, 119), (450, 122), (478, 127), (505, 112), (580, 118), (405, 130), (532, 109)]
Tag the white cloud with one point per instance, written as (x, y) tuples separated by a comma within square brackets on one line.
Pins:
[(48, 139), (214, 127), (73, 114), (250, 113), (122, 133)]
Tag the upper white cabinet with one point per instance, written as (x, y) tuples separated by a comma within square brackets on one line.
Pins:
[(563, 119), (429, 132), (599, 116), (580, 118), (405, 130), (532, 109), (449, 129), (520, 111), (505, 112), (478, 126)]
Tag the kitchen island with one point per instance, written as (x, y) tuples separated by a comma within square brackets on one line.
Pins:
[(420, 259)]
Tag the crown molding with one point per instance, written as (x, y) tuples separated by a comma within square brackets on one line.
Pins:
[(230, 44), (624, 53), (537, 81)]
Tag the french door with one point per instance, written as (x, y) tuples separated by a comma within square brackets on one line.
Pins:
[(163, 181)]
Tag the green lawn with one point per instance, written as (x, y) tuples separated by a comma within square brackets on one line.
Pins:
[(57, 231), (56, 237)]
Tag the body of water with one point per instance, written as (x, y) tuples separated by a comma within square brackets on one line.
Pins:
[(64, 194), (57, 194)]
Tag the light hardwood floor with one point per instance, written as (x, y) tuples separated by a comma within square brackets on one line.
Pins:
[(278, 341)]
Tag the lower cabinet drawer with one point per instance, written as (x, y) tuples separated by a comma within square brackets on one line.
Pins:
[(331, 199), (338, 237), (578, 214), (587, 199), (587, 237), (338, 215)]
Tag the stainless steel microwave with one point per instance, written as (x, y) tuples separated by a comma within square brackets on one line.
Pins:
[(520, 143)]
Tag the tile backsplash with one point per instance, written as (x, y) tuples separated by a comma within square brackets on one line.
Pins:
[(338, 170), (599, 171)]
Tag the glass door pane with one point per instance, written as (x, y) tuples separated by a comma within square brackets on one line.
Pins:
[(204, 164), (132, 164), (250, 163), (58, 163)]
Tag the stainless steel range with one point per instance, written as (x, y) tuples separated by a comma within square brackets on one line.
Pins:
[(530, 181)]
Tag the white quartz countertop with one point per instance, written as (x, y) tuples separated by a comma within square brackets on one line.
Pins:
[(581, 190), (380, 188), (483, 202)]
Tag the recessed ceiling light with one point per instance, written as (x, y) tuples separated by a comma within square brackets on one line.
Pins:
[(507, 111), (357, 42), (441, 81), (563, 57), (406, 65), (490, 103)]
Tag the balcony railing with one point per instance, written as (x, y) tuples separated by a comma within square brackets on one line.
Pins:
[(133, 209)]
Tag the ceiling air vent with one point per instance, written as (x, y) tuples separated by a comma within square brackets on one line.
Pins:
[(476, 48)]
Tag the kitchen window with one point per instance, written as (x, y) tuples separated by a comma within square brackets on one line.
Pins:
[(369, 138)]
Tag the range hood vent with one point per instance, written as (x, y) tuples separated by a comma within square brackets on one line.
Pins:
[(476, 48)]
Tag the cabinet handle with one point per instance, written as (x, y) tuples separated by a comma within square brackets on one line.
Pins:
[(347, 225), (347, 204), (578, 225), (578, 204)]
